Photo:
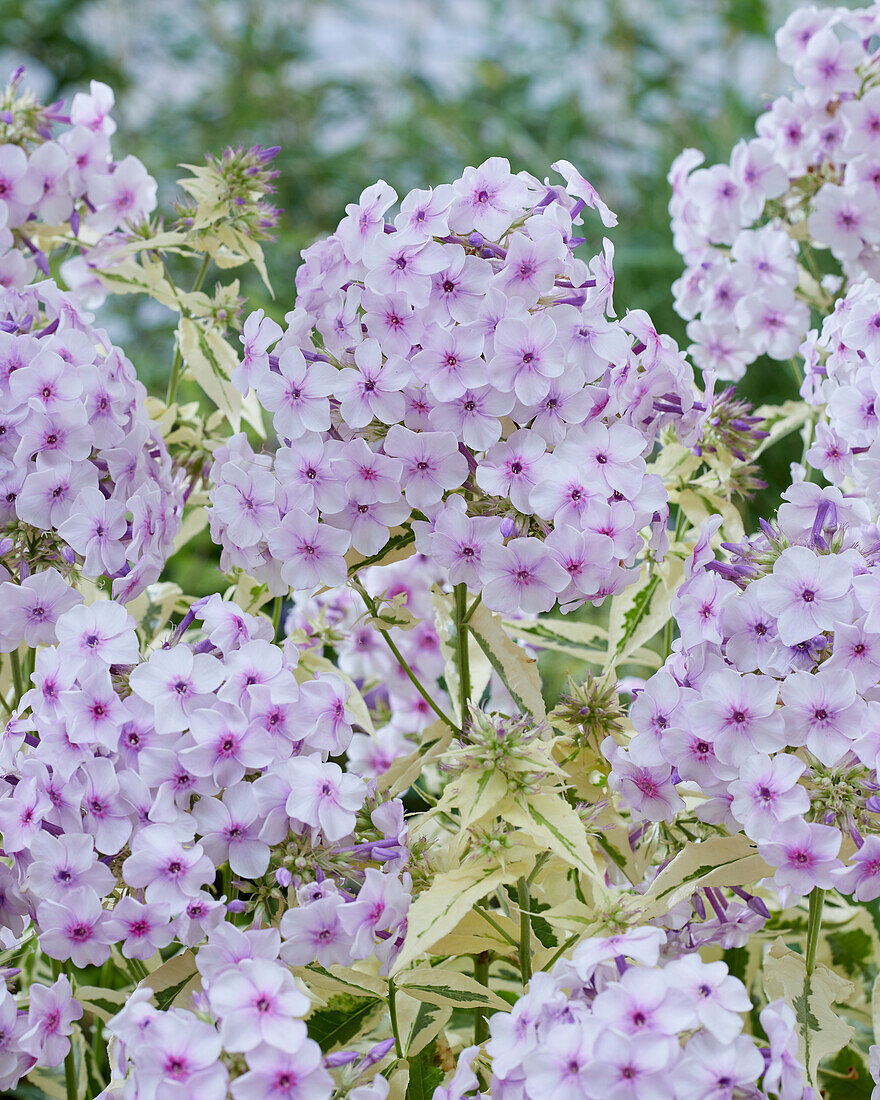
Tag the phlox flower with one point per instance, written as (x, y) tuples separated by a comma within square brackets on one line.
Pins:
[(298, 395), (64, 863), (510, 468), (315, 932), (718, 1066), (312, 552), (862, 878), (521, 575), (282, 1074), (487, 199), (96, 636), (32, 609), (175, 682), (258, 334), (628, 1068), (52, 1011), (822, 711), (807, 592), (804, 855), (767, 792), (563, 1065), (229, 831), (76, 928), (323, 797), (167, 872), (526, 356), (142, 929), (259, 1002)]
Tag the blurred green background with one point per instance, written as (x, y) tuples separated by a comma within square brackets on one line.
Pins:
[(412, 91)]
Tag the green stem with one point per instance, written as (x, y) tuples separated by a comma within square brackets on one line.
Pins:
[(417, 684), (178, 354), (139, 969), (525, 930), (796, 372), (481, 974), (473, 607), (464, 662), (401, 660), (17, 678), (539, 863), (494, 923), (817, 901), (568, 943), (276, 615), (809, 429), (392, 1012)]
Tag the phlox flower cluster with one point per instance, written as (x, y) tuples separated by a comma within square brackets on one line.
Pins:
[(615, 1020), (244, 1034), (812, 174), (841, 373), (130, 785), (769, 705), (87, 486), (58, 168), (461, 371)]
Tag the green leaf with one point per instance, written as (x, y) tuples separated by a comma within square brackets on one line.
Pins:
[(518, 671), (342, 1019), (642, 609), (425, 1074), (548, 818), (719, 861), (440, 986), (852, 951), (427, 1022), (165, 998), (103, 1002), (853, 1081), (822, 1031), (437, 910), (398, 546)]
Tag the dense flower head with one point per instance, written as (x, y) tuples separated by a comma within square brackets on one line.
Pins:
[(808, 180), (58, 169), (456, 379), (768, 707), (243, 1034), (233, 187), (841, 375), (130, 784), (617, 1020), (88, 487)]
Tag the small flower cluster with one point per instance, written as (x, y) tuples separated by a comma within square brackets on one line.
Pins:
[(769, 707), (810, 177), (87, 487), (69, 178), (129, 784), (616, 1021), (231, 189), (841, 374), (39, 1037), (244, 1033), (458, 369)]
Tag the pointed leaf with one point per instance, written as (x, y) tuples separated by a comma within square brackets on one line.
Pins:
[(518, 671)]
